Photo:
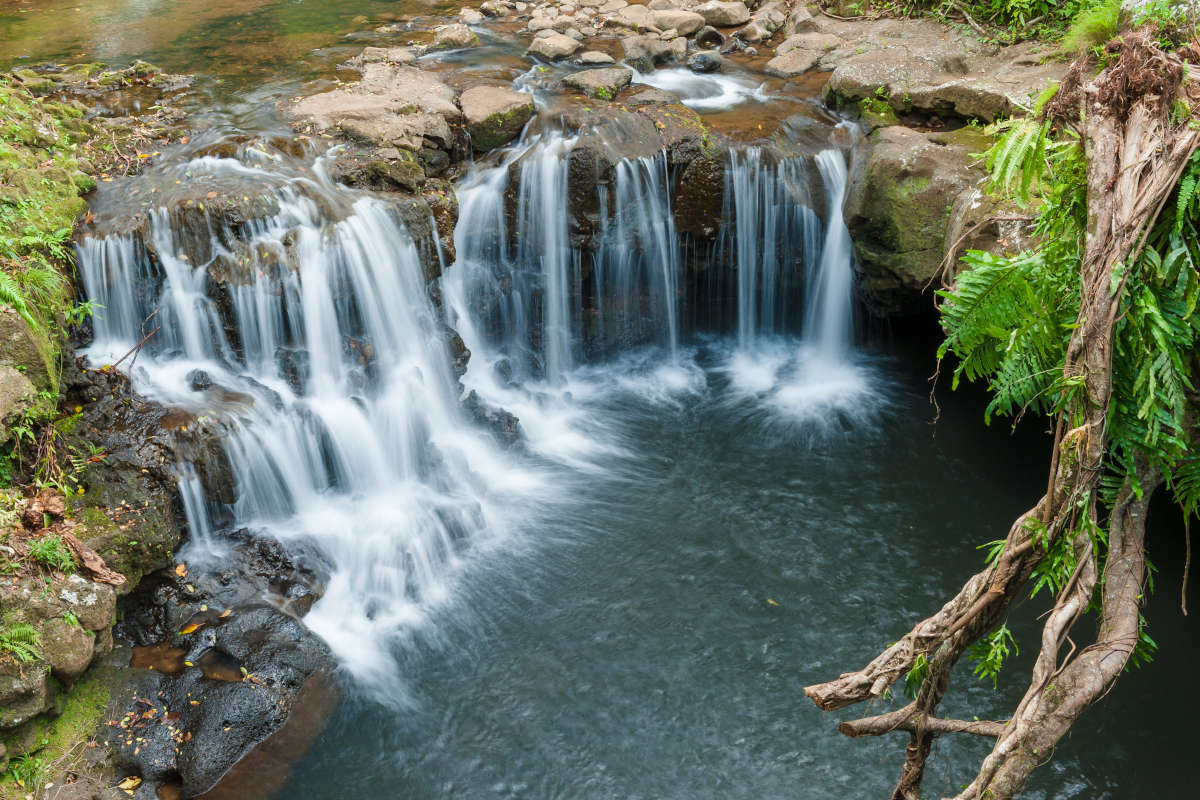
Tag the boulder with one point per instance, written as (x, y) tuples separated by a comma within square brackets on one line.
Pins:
[(799, 20), (644, 52), (553, 46), (706, 61), (67, 648), (763, 23), (723, 14), (600, 83), (637, 17), (456, 35), (470, 16), (899, 209), (684, 23), (495, 115)]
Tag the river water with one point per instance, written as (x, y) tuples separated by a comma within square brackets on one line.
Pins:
[(629, 604)]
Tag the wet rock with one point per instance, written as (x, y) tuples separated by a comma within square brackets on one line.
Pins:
[(699, 201), (495, 115), (199, 380), (706, 61), (600, 83), (709, 37), (24, 349), (899, 207), (447, 37), (684, 23), (644, 52), (552, 46), (723, 14), (504, 425), (251, 690)]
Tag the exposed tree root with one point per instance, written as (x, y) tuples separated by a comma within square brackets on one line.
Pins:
[(1135, 155)]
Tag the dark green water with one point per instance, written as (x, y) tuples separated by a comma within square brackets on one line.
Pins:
[(652, 637)]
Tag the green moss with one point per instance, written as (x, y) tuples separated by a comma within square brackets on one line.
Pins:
[(48, 740)]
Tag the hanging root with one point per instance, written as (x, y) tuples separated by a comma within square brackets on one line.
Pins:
[(1136, 154)]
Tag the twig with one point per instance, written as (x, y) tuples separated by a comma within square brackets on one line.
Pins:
[(136, 347), (970, 21), (1187, 562)]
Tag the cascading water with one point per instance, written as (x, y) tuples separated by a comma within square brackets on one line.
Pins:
[(340, 412)]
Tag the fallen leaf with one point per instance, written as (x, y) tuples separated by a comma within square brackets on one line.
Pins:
[(181, 570), (771, 602), (130, 783)]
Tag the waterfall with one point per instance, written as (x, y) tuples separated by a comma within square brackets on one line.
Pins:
[(531, 298), (340, 413), (770, 235), (828, 317)]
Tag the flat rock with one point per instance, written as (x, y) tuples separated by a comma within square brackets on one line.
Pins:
[(792, 63), (495, 115), (390, 55), (593, 58), (600, 83), (723, 14), (919, 64), (553, 47)]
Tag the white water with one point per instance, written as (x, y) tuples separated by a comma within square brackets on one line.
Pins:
[(346, 432), (712, 91), (331, 376)]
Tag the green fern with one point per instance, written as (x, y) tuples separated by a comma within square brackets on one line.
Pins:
[(22, 642)]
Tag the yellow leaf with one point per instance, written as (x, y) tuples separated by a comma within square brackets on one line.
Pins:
[(195, 626), (181, 570), (771, 602), (130, 783)]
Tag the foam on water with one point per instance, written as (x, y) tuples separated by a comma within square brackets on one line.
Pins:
[(713, 91)]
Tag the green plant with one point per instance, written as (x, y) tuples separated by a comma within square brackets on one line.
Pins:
[(916, 676), (70, 618), (27, 771), (1093, 27), (50, 552), (22, 641), (990, 653)]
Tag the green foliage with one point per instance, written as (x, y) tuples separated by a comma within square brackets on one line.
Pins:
[(27, 771), (21, 641), (1009, 319), (1093, 27), (990, 653), (50, 552), (916, 676)]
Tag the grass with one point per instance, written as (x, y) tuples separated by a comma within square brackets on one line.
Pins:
[(1093, 27)]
